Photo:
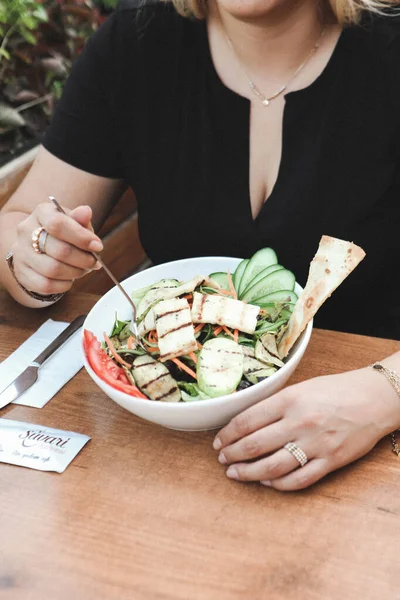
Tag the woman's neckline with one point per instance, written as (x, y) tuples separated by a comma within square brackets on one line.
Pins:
[(317, 83), (296, 97)]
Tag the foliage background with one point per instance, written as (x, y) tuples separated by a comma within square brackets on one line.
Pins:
[(39, 40)]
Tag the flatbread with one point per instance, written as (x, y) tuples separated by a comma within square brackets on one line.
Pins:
[(333, 262)]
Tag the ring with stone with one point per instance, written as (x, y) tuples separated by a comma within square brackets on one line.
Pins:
[(42, 241), (39, 239)]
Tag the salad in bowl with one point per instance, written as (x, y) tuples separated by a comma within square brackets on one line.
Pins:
[(216, 334)]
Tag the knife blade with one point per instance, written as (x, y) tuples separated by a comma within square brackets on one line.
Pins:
[(28, 377)]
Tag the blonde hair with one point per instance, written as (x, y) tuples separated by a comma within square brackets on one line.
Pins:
[(347, 12)]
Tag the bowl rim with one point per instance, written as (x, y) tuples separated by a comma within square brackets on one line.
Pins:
[(302, 341)]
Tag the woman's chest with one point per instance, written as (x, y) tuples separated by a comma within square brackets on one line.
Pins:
[(265, 150), (201, 164)]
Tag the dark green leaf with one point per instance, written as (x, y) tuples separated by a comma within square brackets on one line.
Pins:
[(118, 327), (190, 388), (5, 53), (27, 35)]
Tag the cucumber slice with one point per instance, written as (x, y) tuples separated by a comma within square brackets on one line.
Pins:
[(274, 282), (259, 261), (238, 274), (219, 367), (281, 296), (262, 274), (221, 279)]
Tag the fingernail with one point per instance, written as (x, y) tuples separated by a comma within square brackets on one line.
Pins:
[(222, 459), (232, 473), (96, 246), (267, 483), (97, 266), (217, 444)]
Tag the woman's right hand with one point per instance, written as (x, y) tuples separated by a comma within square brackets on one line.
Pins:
[(67, 251)]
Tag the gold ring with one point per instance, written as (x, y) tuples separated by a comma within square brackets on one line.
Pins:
[(36, 233), (297, 452)]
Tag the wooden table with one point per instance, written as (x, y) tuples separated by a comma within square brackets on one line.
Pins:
[(147, 513)]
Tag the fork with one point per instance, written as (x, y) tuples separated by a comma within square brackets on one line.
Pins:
[(133, 325)]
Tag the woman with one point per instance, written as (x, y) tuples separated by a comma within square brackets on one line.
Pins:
[(239, 125)]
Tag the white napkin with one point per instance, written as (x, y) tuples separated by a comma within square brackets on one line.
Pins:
[(56, 371)]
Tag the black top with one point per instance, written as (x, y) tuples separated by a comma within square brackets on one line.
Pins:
[(145, 103)]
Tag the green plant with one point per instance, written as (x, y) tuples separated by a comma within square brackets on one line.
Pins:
[(21, 18), (39, 41)]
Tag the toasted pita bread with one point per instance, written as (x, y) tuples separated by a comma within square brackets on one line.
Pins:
[(334, 261)]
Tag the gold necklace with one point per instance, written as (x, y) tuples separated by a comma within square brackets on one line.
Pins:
[(265, 101)]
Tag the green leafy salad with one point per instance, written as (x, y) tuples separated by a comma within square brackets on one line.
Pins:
[(206, 337)]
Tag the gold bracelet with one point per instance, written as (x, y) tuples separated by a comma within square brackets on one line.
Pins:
[(394, 380)]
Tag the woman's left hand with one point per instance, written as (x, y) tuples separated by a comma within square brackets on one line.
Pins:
[(334, 419)]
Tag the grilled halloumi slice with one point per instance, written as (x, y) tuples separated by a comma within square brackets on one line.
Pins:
[(154, 379), (157, 292), (164, 290), (219, 310), (148, 323), (174, 328)]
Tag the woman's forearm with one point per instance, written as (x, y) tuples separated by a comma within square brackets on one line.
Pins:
[(87, 199)]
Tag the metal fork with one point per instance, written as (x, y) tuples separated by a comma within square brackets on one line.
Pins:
[(133, 326)]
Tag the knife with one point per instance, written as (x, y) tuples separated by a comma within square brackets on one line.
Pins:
[(30, 375)]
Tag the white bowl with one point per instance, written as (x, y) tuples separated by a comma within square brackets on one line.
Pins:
[(189, 416)]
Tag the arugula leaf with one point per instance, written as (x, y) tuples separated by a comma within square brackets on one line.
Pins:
[(191, 392), (118, 327), (189, 388), (245, 341)]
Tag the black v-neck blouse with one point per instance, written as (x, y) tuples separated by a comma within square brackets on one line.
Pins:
[(144, 103)]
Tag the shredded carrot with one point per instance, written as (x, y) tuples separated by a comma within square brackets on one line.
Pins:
[(153, 350), (236, 335), (188, 296), (115, 353), (199, 327), (227, 331), (199, 345), (130, 341), (193, 357), (217, 330), (224, 292), (183, 367), (231, 286)]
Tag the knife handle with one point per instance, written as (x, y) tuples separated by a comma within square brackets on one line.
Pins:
[(59, 341)]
